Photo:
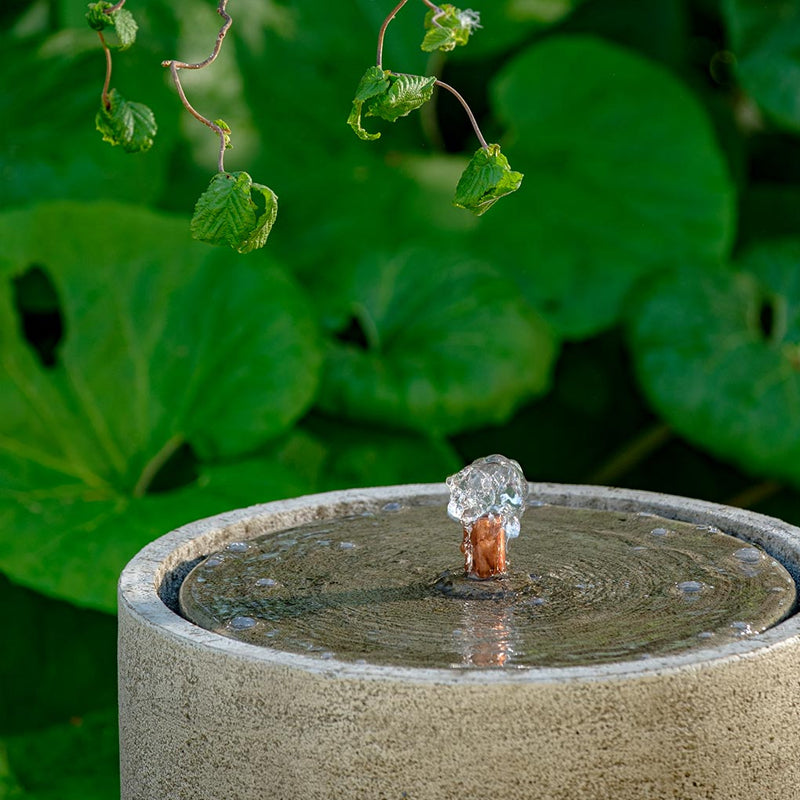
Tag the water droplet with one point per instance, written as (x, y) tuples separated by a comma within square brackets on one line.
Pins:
[(708, 528), (659, 532), (241, 623), (213, 561), (690, 587), (392, 507), (538, 601), (644, 514), (324, 542), (705, 635), (536, 503), (200, 579), (238, 547), (743, 628), (638, 548), (347, 546), (266, 582), (327, 655), (748, 555)]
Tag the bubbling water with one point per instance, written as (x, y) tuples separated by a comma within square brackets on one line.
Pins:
[(583, 587)]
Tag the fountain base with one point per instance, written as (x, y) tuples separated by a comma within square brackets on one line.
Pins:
[(206, 716)]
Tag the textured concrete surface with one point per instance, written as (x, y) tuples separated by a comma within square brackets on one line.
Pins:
[(203, 716)]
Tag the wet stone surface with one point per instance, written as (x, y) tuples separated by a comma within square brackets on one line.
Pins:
[(584, 587)]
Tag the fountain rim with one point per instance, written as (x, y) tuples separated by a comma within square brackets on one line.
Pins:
[(141, 581)]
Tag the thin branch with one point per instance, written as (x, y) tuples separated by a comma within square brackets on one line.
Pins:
[(175, 65), (433, 7), (107, 83), (118, 6), (466, 107), (382, 31)]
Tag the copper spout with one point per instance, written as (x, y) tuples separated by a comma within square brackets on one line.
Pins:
[(484, 548)]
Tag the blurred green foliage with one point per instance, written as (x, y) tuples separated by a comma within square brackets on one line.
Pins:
[(631, 315)]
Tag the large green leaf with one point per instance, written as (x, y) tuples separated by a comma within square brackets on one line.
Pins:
[(73, 761), (624, 175), (446, 345), (167, 345), (358, 455), (764, 37), (719, 357)]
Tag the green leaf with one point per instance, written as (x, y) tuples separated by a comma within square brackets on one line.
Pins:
[(125, 27), (358, 456), (448, 27), (78, 760), (169, 345), (719, 357), (226, 130), (487, 178), (764, 38), (381, 94), (125, 123), (228, 212), (374, 82), (406, 94), (96, 16), (440, 345), (628, 173), (121, 21)]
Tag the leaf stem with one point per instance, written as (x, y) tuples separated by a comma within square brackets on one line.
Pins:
[(115, 7), (382, 31), (107, 82), (175, 65), (152, 467), (466, 107)]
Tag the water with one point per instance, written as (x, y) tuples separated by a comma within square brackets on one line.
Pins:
[(584, 587)]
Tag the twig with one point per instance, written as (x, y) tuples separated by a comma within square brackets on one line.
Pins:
[(175, 65), (107, 83), (433, 7), (466, 107), (382, 32), (118, 6)]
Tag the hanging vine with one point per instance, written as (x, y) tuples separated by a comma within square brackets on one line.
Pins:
[(390, 95)]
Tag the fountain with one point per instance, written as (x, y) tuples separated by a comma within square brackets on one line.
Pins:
[(625, 645)]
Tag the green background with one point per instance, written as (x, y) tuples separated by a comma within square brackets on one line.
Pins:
[(630, 316)]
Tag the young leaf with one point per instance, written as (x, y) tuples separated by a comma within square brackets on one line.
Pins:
[(226, 212), (487, 178), (406, 93), (125, 27), (96, 16), (226, 130), (121, 21), (448, 27), (125, 123), (374, 82)]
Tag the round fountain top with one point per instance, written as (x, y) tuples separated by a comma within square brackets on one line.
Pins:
[(587, 587)]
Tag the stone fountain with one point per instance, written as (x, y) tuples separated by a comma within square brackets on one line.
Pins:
[(625, 645)]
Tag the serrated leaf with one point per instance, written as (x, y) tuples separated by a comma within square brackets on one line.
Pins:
[(608, 208), (131, 125), (406, 93), (226, 212), (375, 81), (718, 354), (448, 27), (764, 38), (170, 342), (446, 346), (487, 178), (125, 27)]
